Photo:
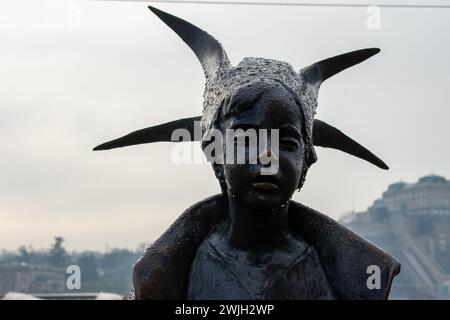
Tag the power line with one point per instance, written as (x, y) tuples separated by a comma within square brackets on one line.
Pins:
[(294, 4)]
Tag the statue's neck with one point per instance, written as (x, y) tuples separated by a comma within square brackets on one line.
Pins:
[(253, 229)]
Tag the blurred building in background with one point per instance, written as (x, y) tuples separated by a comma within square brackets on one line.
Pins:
[(24, 277), (45, 273), (411, 221)]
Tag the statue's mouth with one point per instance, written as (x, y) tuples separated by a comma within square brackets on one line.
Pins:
[(267, 186)]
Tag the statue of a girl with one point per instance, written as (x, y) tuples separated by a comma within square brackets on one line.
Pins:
[(252, 241)]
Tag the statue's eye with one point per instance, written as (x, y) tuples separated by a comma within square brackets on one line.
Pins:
[(289, 144), (243, 143)]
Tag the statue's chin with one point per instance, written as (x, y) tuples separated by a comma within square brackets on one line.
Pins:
[(264, 201)]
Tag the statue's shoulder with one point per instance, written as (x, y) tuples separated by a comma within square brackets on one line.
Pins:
[(356, 268), (163, 270)]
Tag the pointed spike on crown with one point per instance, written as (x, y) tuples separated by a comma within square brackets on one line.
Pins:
[(208, 50), (327, 136), (159, 133), (322, 70)]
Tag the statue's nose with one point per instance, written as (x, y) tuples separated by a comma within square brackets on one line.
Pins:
[(268, 152)]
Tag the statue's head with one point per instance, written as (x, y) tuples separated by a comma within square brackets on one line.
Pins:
[(257, 94), (271, 151)]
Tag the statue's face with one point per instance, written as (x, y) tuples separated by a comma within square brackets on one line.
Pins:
[(274, 109)]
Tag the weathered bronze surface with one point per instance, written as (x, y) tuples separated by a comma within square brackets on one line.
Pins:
[(252, 241)]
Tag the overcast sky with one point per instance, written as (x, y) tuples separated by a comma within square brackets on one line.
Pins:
[(66, 87)]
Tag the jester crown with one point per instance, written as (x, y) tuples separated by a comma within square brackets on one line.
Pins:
[(222, 79)]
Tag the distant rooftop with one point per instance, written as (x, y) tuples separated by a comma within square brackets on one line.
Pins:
[(429, 195), (397, 186), (429, 179), (432, 179)]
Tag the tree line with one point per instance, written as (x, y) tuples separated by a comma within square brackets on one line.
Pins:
[(108, 271)]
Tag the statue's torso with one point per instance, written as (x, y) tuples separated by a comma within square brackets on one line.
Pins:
[(220, 271)]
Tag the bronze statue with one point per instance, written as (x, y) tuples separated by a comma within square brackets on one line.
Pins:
[(252, 241)]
